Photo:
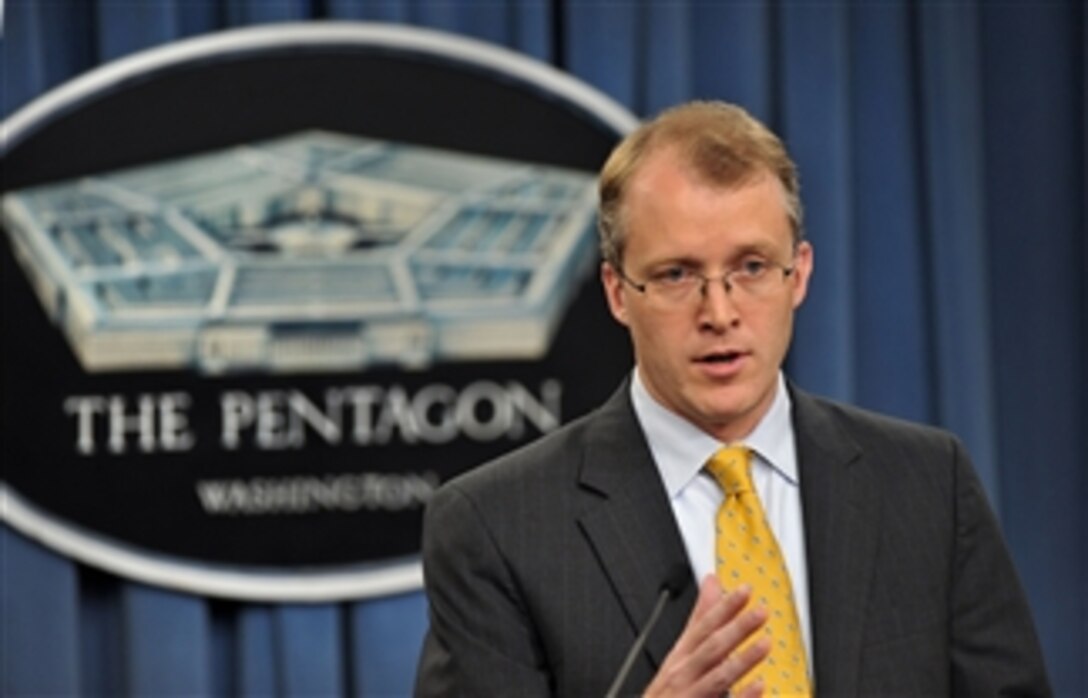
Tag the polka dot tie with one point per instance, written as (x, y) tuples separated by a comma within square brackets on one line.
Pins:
[(747, 553)]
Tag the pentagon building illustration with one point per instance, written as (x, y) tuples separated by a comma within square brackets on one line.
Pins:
[(316, 251)]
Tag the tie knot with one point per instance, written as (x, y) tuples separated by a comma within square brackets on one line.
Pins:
[(732, 468)]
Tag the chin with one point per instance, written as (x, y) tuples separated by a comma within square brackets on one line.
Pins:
[(718, 415), (724, 415)]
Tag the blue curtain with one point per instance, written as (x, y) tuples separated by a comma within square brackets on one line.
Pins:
[(943, 155)]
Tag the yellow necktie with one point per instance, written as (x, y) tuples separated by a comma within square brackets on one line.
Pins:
[(747, 552)]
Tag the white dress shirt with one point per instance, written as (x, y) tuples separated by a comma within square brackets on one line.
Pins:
[(681, 450)]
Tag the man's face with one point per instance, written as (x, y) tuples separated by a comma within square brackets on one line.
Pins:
[(714, 358)]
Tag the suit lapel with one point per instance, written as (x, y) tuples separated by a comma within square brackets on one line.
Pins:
[(628, 521), (840, 497)]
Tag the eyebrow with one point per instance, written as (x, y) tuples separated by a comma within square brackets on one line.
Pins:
[(760, 248), (676, 260), (685, 260)]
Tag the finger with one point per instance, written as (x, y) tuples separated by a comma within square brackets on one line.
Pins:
[(710, 591), (742, 662), (723, 646), (752, 690), (729, 675), (713, 610), (710, 595), (693, 654)]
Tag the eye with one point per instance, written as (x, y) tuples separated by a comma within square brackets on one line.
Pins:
[(753, 267), (672, 276)]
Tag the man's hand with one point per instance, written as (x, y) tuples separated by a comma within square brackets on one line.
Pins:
[(707, 659)]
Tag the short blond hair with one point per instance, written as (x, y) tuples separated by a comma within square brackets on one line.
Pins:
[(722, 143)]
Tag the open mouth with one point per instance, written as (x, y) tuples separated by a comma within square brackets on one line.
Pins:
[(725, 357)]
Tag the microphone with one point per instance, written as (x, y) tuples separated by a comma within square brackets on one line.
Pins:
[(675, 582)]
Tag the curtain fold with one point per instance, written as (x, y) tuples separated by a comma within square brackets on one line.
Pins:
[(167, 642), (1035, 150), (943, 157), (39, 610), (308, 642), (602, 48), (255, 652), (891, 260), (666, 71), (816, 124), (953, 172), (381, 667), (730, 48)]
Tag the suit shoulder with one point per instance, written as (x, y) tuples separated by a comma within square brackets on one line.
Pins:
[(551, 458), (879, 421), (872, 430), (908, 461)]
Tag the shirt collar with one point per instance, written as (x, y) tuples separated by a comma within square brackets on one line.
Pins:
[(681, 449)]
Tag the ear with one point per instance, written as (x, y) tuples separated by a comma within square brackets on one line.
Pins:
[(613, 292), (802, 272)]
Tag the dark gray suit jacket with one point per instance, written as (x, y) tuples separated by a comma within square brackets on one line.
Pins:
[(541, 566)]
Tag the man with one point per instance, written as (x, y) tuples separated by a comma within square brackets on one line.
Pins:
[(890, 574)]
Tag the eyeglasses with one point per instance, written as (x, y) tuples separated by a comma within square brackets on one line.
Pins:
[(676, 284)]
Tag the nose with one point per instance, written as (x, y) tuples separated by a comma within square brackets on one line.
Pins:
[(717, 309)]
